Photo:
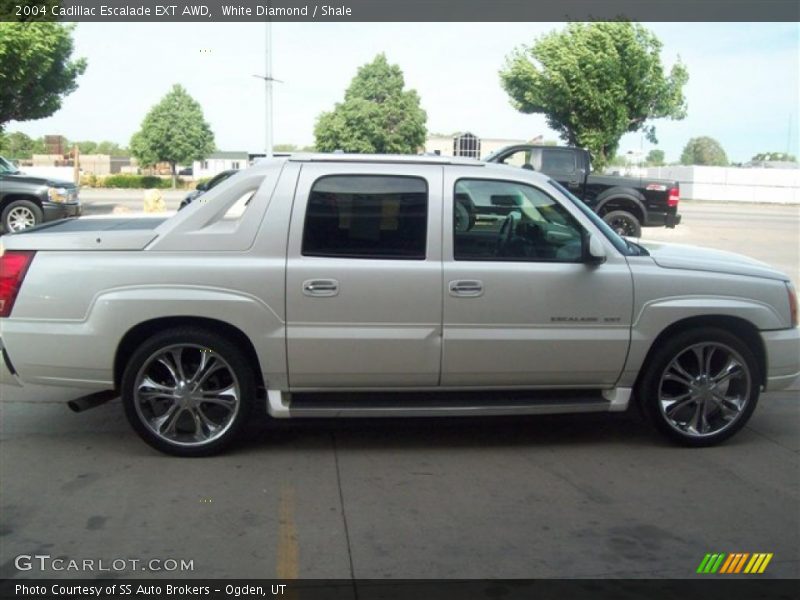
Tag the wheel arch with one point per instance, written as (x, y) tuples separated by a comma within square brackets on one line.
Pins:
[(135, 336), (737, 326), (14, 196), (622, 199)]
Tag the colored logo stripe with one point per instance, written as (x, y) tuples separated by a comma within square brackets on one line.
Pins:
[(734, 563)]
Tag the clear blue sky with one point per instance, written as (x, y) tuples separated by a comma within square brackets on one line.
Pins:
[(743, 87)]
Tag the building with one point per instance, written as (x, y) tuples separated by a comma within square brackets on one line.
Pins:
[(467, 144), (218, 162)]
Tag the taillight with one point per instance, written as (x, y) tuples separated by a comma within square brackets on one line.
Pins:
[(674, 196), (792, 303), (13, 266)]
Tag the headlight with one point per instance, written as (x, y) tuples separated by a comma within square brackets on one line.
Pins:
[(57, 194)]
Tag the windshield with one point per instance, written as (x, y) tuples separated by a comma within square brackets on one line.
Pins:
[(627, 248), (7, 167)]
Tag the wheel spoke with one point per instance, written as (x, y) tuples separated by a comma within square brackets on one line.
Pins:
[(732, 368), (208, 365), (171, 369), (707, 362), (673, 404), (165, 424), (177, 359), (675, 372)]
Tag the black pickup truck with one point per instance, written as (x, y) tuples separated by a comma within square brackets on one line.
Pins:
[(626, 203), (26, 200)]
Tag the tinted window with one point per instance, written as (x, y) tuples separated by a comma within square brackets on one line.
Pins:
[(365, 216), (503, 220), (558, 161)]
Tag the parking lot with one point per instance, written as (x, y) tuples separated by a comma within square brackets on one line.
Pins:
[(557, 496)]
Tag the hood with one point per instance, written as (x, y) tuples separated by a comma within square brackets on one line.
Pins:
[(33, 180), (681, 256)]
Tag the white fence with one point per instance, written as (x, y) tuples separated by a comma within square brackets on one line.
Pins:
[(779, 186)]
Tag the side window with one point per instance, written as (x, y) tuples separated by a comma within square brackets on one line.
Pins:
[(367, 216), (520, 158), (508, 221), (555, 160)]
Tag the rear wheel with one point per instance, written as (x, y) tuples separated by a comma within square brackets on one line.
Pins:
[(21, 214), (188, 392), (624, 223), (700, 387)]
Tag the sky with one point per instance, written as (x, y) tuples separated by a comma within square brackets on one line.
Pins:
[(743, 79)]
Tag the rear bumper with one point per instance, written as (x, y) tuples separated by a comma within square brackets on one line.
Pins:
[(783, 357), (672, 220), (662, 219), (58, 210)]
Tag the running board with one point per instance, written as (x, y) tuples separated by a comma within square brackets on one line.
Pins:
[(441, 404)]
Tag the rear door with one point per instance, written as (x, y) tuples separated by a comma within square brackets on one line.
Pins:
[(363, 288)]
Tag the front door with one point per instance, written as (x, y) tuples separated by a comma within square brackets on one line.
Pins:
[(363, 287), (521, 308)]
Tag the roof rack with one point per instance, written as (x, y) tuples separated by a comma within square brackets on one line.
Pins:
[(422, 159)]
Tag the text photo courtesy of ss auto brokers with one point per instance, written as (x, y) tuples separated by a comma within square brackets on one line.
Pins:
[(309, 309)]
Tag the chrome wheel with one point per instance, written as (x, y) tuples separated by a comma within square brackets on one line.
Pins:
[(623, 226), (19, 218), (187, 395), (704, 389)]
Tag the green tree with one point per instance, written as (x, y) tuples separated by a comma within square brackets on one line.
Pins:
[(595, 82), (655, 157), (777, 156), (111, 148), (19, 145), (36, 69), (174, 131), (86, 147), (285, 148), (377, 116), (704, 150)]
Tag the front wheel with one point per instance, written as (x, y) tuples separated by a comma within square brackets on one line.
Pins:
[(624, 223), (188, 392), (700, 387), (21, 214)]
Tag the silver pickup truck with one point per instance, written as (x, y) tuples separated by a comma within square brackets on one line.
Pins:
[(338, 285)]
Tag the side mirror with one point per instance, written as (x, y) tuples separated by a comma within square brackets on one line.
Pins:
[(595, 251), (201, 186)]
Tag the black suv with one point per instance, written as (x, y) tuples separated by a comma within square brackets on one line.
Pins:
[(26, 201)]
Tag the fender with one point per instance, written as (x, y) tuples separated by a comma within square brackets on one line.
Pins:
[(36, 344), (656, 316), (621, 193)]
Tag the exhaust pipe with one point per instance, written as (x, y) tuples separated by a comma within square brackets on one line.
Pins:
[(91, 401)]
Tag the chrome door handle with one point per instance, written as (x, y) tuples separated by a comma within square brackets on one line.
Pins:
[(320, 287), (469, 288)]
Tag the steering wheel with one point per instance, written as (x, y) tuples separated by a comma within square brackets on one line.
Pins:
[(506, 233)]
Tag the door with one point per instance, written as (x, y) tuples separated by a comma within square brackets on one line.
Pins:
[(521, 308), (363, 287)]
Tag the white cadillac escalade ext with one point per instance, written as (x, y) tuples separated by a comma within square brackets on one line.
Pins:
[(380, 285)]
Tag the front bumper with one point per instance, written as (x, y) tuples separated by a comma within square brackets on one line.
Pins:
[(60, 210), (783, 357)]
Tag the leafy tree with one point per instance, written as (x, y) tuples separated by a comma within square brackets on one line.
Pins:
[(595, 82), (377, 116), (86, 147), (111, 148), (285, 148), (704, 150), (36, 69), (655, 157), (19, 145), (174, 131), (776, 156)]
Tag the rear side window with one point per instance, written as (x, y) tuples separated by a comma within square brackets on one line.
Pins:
[(558, 161), (367, 216)]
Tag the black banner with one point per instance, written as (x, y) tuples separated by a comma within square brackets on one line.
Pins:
[(428, 589), (398, 10)]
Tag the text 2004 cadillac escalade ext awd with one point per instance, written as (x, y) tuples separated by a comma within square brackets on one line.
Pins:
[(374, 285)]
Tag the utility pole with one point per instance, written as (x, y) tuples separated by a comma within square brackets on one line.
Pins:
[(268, 79), (268, 89)]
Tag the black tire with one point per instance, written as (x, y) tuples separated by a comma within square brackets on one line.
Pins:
[(652, 383), (15, 210), (624, 223), (235, 372)]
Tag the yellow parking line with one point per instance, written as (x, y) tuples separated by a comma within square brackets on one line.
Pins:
[(287, 567), (765, 563)]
